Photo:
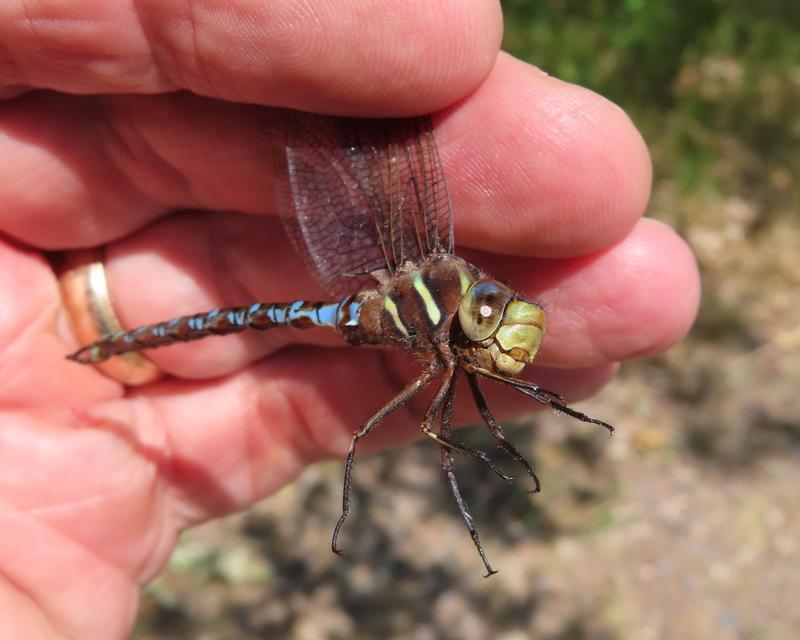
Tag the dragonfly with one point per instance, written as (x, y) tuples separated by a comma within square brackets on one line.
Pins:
[(366, 206)]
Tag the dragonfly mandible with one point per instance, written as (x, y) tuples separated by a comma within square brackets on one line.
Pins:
[(366, 205)]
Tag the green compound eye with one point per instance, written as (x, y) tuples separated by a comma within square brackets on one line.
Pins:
[(481, 309)]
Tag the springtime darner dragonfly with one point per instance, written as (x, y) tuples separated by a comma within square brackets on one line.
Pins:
[(366, 206)]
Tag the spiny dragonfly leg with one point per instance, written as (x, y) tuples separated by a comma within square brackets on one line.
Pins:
[(497, 432), (444, 440), (554, 400), (446, 456), (398, 401), (557, 402)]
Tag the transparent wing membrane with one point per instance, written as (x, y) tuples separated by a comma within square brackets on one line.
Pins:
[(360, 195)]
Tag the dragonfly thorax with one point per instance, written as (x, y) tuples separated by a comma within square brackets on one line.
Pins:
[(504, 330)]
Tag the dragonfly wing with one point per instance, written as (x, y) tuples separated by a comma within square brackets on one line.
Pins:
[(360, 195)]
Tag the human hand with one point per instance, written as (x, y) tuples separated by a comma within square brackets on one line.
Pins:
[(548, 183)]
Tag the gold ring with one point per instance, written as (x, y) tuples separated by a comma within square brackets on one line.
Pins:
[(84, 289)]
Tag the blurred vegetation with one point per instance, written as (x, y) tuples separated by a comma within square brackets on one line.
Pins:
[(690, 72), (682, 525)]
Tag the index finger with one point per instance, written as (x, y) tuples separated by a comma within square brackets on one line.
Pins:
[(376, 57), (535, 166)]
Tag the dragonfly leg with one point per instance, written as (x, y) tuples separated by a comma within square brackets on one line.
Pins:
[(446, 456), (554, 400), (398, 401), (497, 432), (445, 440)]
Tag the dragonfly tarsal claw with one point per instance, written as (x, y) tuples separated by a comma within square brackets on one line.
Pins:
[(334, 546)]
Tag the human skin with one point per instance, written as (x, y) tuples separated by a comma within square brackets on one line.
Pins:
[(548, 183)]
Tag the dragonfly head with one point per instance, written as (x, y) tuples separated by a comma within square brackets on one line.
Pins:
[(505, 330)]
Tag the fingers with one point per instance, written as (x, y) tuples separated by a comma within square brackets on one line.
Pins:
[(346, 56), (634, 299), (48, 576), (540, 167), (33, 371), (535, 166), (199, 262), (81, 171), (512, 196), (257, 428)]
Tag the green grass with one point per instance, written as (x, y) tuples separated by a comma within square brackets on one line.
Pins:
[(700, 78)]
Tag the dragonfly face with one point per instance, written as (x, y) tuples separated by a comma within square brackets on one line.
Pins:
[(505, 331)]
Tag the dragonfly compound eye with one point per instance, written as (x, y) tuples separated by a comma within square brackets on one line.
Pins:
[(481, 309)]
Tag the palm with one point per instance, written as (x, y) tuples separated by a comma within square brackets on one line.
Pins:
[(96, 479)]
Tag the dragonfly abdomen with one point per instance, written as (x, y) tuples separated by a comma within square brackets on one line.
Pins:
[(259, 316)]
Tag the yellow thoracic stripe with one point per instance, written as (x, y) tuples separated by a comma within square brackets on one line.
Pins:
[(391, 307), (466, 283), (431, 308)]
